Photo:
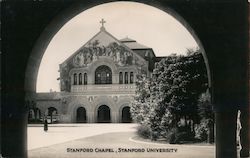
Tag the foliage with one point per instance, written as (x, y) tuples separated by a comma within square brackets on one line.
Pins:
[(171, 94), (144, 131), (140, 107), (205, 107), (204, 130)]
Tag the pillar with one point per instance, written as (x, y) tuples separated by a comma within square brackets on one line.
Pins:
[(226, 123), (114, 117), (14, 129), (91, 117)]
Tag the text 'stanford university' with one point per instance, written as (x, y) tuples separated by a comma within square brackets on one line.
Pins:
[(97, 82)]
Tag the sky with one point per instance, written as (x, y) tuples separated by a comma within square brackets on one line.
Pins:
[(147, 25)]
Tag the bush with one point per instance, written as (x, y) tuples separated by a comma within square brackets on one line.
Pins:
[(155, 135), (201, 130), (144, 131), (171, 136), (178, 135)]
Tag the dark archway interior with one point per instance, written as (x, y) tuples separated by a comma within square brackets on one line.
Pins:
[(126, 116), (221, 26), (81, 116), (52, 112), (34, 115), (103, 114)]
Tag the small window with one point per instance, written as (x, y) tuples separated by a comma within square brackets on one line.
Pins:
[(126, 77), (120, 78), (85, 79), (80, 79), (75, 79), (131, 77)]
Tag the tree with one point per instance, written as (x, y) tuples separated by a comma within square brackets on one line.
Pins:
[(205, 109), (171, 94), (140, 105)]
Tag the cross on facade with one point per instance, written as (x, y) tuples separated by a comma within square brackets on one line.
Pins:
[(102, 22)]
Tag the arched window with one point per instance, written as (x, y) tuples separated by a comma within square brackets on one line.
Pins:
[(126, 77), (131, 77), (75, 79), (103, 75), (120, 78), (80, 79), (85, 79)]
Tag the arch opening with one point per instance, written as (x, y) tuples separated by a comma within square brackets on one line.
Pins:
[(103, 114), (126, 116), (52, 115), (81, 116), (103, 75)]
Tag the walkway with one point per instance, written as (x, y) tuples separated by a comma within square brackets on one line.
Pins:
[(106, 140)]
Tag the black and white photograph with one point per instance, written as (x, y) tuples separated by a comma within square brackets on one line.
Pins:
[(129, 79)]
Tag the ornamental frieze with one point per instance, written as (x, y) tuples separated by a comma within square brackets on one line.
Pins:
[(118, 53)]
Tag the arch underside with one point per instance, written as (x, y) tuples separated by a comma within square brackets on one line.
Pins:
[(222, 42)]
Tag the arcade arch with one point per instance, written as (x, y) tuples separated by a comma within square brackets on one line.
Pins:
[(126, 115), (38, 51), (52, 115), (103, 114), (81, 115)]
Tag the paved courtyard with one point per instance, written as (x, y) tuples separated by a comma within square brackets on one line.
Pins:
[(103, 140)]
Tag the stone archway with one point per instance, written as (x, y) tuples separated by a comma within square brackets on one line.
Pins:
[(223, 33), (126, 115), (52, 115), (34, 115), (103, 114), (81, 115)]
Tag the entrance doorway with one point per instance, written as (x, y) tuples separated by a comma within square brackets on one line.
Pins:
[(52, 115), (103, 114), (126, 116), (81, 116)]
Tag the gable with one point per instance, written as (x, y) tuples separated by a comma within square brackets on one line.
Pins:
[(103, 44)]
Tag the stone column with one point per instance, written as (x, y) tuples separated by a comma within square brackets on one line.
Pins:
[(14, 129), (91, 118), (114, 117), (226, 134)]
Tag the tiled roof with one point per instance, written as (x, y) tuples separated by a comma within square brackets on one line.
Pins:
[(132, 44), (127, 40), (104, 38)]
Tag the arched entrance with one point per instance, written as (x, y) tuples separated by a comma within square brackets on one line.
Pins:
[(103, 75), (103, 114), (126, 116), (52, 115), (202, 26), (81, 116)]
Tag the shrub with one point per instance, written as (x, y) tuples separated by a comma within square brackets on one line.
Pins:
[(178, 135), (171, 136), (144, 131), (155, 135), (201, 130)]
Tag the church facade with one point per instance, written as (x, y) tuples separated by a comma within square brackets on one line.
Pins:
[(97, 82)]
